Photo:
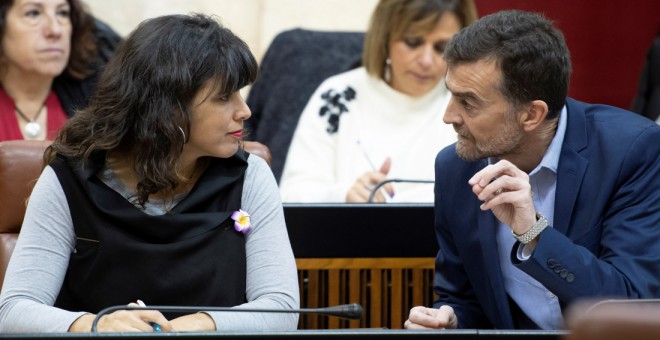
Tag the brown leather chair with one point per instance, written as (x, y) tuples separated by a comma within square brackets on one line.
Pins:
[(20, 165), (614, 320)]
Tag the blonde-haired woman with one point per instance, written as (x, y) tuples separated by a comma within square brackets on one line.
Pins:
[(382, 120)]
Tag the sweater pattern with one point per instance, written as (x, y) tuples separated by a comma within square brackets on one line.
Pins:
[(336, 104)]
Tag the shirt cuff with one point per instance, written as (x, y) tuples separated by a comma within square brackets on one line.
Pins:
[(525, 251)]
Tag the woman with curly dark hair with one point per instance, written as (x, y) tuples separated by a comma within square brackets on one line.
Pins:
[(49, 59), (148, 195)]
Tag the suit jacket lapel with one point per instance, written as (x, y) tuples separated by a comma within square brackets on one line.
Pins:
[(498, 302), (572, 166)]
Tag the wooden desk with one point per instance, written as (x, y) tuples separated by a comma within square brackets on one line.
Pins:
[(357, 334), (378, 255)]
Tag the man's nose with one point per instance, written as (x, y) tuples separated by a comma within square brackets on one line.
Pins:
[(451, 115)]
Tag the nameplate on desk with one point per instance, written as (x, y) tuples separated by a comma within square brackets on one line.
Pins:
[(320, 230)]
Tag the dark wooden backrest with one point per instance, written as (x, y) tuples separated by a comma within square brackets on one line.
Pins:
[(295, 64)]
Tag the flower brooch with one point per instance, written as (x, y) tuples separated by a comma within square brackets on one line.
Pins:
[(241, 221)]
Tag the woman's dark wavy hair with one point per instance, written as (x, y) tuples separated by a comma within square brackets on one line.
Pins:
[(84, 52), (144, 95), (530, 51)]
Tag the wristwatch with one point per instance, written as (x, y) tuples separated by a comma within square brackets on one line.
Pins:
[(537, 228)]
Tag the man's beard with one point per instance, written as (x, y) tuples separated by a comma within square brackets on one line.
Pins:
[(506, 142)]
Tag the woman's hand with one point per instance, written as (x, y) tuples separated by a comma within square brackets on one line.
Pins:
[(123, 321), (258, 149), (361, 189)]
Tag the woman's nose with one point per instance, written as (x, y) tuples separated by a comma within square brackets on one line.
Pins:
[(426, 56), (243, 110), (53, 25)]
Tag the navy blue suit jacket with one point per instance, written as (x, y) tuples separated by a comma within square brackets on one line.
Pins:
[(605, 241)]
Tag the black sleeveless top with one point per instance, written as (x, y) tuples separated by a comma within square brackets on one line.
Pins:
[(191, 256)]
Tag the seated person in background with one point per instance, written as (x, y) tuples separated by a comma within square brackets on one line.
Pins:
[(383, 120), (543, 200), (50, 55), (152, 170), (647, 98)]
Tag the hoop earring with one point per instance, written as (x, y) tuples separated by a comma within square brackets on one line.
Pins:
[(182, 133), (183, 112), (388, 70)]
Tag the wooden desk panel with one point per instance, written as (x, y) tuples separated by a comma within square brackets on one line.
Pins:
[(387, 288), (378, 255)]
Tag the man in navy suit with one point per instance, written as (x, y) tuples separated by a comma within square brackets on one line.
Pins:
[(543, 200)]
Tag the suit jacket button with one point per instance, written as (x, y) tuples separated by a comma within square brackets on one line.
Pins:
[(563, 273), (557, 269), (570, 277), (552, 263)]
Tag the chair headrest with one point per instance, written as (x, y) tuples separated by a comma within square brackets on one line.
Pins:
[(20, 165)]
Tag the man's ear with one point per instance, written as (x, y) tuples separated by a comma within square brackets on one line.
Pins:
[(533, 115)]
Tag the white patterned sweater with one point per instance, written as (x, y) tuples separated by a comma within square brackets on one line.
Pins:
[(350, 125)]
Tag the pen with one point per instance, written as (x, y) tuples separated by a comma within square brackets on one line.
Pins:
[(366, 156), (373, 168), (154, 325)]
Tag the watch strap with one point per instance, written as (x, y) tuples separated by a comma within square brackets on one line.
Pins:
[(532, 233)]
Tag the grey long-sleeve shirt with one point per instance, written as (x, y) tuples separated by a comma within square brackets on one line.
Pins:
[(39, 261)]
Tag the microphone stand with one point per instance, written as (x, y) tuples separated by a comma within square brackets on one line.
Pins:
[(395, 180), (351, 311)]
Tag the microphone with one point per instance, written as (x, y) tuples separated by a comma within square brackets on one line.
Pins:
[(351, 311), (395, 180)]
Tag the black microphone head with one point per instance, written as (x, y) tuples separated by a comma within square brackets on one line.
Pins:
[(351, 311), (354, 311)]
